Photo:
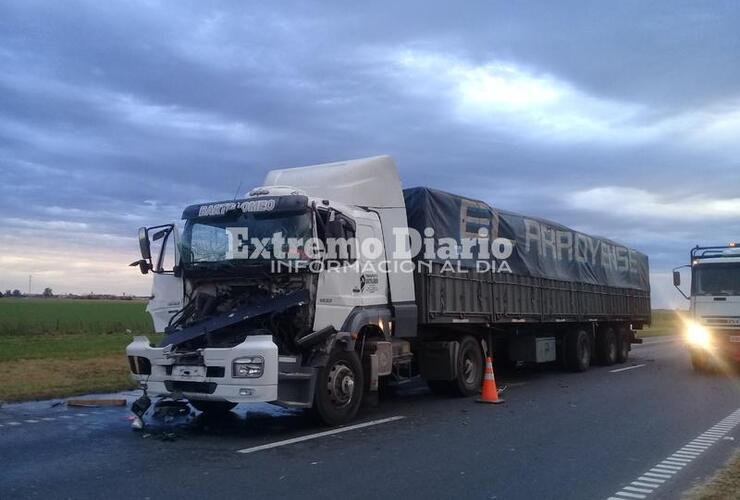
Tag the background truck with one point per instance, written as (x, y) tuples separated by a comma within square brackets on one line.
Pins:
[(712, 330), (410, 294)]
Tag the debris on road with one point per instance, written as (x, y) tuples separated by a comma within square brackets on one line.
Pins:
[(94, 403)]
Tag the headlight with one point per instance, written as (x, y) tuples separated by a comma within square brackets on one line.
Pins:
[(249, 367), (697, 335)]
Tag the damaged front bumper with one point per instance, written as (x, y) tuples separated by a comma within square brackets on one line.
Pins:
[(214, 377)]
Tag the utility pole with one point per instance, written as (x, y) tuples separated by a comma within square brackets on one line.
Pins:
[(29, 284)]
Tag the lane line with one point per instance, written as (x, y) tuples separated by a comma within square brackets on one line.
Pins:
[(652, 486), (675, 463), (637, 490), (309, 437), (625, 369), (631, 495)]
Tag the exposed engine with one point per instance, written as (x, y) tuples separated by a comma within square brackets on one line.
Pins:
[(209, 300)]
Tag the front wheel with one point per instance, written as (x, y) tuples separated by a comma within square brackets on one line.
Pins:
[(339, 388)]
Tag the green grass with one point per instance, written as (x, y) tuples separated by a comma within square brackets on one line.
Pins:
[(665, 322), (32, 316), (57, 347)]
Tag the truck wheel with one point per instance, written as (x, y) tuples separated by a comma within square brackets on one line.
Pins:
[(339, 388), (607, 346), (578, 350), (212, 407), (624, 338), (699, 362), (469, 368)]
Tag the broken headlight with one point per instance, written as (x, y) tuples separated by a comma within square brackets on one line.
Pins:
[(248, 367)]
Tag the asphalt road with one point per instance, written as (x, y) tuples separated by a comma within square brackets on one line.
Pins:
[(559, 435)]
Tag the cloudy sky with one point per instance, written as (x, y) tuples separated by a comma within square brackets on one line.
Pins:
[(617, 118)]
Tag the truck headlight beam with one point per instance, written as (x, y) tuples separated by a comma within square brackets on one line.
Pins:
[(698, 336)]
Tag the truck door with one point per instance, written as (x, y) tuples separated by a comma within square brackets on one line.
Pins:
[(167, 283)]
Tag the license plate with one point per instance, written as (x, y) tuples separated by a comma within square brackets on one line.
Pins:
[(189, 371), (735, 338)]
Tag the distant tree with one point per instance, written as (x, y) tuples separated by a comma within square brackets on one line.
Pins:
[(8, 293), (17, 293), (48, 292), (1, 295)]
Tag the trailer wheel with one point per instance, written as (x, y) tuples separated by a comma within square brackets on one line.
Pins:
[(469, 368), (339, 388), (578, 350), (212, 407), (607, 346), (624, 339)]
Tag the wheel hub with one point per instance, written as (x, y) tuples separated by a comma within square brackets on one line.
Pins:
[(341, 384)]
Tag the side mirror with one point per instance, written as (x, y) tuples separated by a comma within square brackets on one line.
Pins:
[(676, 278), (144, 266), (146, 253)]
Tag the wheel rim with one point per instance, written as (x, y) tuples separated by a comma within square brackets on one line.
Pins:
[(468, 369), (341, 384)]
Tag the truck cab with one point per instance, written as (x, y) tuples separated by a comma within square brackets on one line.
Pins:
[(712, 330), (267, 298)]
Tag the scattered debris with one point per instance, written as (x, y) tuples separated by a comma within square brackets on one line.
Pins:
[(94, 403)]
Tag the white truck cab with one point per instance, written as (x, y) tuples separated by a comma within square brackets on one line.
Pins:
[(713, 327), (243, 326)]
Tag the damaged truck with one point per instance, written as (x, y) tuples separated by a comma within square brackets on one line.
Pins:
[(330, 281)]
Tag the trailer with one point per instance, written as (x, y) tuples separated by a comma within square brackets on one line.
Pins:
[(329, 281)]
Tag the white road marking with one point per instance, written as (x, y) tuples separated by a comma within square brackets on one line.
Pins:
[(630, 495), (668, 468), (625, 369), (319, 435)]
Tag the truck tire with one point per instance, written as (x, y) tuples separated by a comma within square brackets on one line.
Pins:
[(212, 407), (469, 368), (339, 388), (607, 346), (699, 362), (578, 350), (469, 371), (624, 341)]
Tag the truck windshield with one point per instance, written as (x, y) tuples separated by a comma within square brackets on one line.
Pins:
[(207, 239), (716, 279)]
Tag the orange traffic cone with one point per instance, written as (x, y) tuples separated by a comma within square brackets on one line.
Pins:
[(489, 393)]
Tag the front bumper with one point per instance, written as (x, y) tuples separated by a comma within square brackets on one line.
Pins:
[(724, 344), (214, 381)]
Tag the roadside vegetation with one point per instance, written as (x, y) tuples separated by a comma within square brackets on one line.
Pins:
[(725, 485), (53, 347), (665, 322)]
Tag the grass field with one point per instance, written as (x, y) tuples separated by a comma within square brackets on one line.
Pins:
[(59, 347), (665, 322)]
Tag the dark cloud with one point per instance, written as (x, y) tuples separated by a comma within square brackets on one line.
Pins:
[(115, 114)]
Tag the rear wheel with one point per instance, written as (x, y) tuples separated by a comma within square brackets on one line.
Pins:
[(578, 350), (607, 346), (624, 339), (212, 407), (339, 388)]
